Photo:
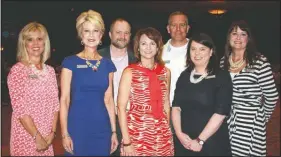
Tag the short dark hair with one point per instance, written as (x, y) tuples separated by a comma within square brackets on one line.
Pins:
[(207, 41), (118, 20), (154, 35), (177, 13)]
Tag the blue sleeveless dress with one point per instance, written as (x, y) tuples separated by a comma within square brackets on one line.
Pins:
[(88, 119)]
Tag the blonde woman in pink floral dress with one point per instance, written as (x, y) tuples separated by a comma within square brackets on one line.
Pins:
[(34, 95)]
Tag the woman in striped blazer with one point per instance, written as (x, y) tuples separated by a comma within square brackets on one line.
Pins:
[(254, 92)]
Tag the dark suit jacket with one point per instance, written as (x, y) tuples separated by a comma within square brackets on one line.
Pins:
[(105, 52)]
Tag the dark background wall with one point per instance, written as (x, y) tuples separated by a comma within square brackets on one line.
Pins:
[(59, 18)]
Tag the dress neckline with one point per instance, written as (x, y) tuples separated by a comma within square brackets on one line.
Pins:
[(88, 59)]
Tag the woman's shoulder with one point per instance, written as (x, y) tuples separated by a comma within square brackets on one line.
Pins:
[(70, 60), (222, 75), (261, 58), (222, 72), (166, 69), (184, 74), (106, 60), (50, 68), (71, 57), (19, 66), (18, 70)]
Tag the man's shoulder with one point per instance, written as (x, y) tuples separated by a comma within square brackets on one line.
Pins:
[(166, 45), (104, 49), (105, 52)]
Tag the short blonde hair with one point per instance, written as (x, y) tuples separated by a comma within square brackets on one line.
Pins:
[(89, 16), (22, 54)]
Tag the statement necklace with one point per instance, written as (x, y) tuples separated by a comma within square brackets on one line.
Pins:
[(37, 73), (235, 65), (193, 80), (90, 65)]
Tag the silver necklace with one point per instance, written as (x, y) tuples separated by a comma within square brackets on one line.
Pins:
[(193, 80)]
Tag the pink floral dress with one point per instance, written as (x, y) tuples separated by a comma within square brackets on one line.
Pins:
[(36, 97)]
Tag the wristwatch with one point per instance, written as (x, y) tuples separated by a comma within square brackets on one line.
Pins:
[(201, 142)]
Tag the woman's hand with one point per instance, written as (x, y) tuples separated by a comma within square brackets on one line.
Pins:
[(49, 139), (184, 139), (41, 144), (67, 144), (195, 146), (114, 142), (128, 151)]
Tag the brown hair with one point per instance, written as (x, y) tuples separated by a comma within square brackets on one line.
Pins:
[(251, 54), (118, 20), (154, 35)]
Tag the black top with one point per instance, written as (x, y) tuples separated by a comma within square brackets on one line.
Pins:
[(198, 102)]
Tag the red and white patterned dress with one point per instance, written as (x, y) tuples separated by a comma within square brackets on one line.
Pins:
[(150, 133), (36, 97)]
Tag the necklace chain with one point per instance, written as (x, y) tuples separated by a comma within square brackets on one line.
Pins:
[(193, 80)]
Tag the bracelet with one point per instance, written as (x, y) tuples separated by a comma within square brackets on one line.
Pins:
[(113, 132), (64, 136), (125, 145), (54, 133), (34, 137)]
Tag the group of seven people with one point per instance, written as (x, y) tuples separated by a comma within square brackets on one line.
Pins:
[(173, 99)]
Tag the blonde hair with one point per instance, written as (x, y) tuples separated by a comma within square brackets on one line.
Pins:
[(22, 54), (89, 16)]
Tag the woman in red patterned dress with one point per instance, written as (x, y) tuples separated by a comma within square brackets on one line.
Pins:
[(145, 126), (34, 95)]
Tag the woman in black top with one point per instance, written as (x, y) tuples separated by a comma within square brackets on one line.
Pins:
[(202, 101)]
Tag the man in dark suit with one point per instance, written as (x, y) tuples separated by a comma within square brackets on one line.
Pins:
[(122, 56)]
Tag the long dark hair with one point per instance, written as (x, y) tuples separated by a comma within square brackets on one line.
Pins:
[(251, 54), (207, 41)]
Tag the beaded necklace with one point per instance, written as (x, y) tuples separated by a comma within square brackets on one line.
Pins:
[(35, 73), (195, 81), (90, 65), (235, 65)]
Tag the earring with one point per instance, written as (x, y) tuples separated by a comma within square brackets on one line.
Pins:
[(82, 42), (138, 50), (100, 43)]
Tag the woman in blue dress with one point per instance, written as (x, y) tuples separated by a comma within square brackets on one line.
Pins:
[(87, 114)]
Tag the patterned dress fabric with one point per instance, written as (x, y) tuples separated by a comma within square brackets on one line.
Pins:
[(88, 119), (254, 99), (149, 132), (36, 97)]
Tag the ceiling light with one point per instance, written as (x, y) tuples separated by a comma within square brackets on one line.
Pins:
[(217, 11)]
